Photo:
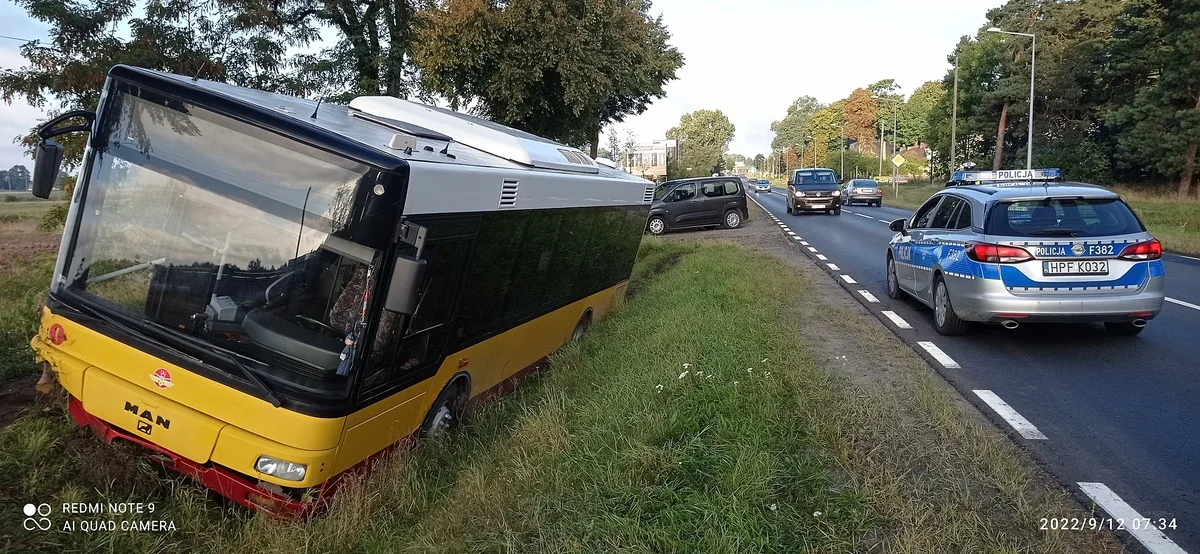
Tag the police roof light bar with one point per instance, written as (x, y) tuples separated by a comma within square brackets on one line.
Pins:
[(1051, 174)]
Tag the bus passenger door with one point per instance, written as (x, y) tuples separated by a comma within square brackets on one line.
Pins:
[(398, 382)]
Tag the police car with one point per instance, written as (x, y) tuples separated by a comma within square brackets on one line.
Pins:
[(1011, 247)]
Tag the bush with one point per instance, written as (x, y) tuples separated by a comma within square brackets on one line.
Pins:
[(54, 218)]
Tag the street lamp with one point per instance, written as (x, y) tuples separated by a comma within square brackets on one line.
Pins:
[(895, 125), (1032, 63), (842, 129)]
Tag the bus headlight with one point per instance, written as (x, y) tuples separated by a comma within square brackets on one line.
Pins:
[(280, 468)]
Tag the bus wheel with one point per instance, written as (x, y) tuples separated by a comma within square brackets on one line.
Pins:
[(584, 324), (445, 412)]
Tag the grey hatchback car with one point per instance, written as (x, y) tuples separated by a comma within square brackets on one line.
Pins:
[(1011, 253), (700, 202)]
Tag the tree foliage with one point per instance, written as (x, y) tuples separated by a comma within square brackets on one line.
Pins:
[(508, 61), (704, 137), (793, 128)]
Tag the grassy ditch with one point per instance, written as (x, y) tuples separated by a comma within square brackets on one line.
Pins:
[(699, 418)]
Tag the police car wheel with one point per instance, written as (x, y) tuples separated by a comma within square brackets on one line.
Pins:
[(1123, 329), (893, 285), (944, 319)]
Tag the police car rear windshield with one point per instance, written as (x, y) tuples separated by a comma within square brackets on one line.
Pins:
[(1062, 217), (815, 179)]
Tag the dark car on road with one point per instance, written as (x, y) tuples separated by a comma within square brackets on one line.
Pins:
[(813, 190), (700, 202), (866, 191)]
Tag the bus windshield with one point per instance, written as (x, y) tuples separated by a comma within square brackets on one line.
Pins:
[(203, 225)]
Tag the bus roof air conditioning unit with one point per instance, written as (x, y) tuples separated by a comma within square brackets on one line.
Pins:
[(480, 134)]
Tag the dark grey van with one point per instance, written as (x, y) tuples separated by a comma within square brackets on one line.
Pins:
[(700, 202), (813, 190)]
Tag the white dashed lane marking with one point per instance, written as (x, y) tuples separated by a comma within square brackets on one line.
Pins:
[(1153, 539), (885, 221), (897, 320), (834, 267), (1182, 303), (790, 233), (821, 257), (1016, 420), (811, 249), (867, 294), (848, 279), (804, 243), (864, 215), (941, 357)]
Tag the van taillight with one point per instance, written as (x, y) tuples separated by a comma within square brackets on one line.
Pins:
[(1149, 250), (997, 254)]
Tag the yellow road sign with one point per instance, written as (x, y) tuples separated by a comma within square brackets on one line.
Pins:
[(898, 160)]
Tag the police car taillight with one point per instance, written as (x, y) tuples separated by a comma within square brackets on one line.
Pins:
[(997, 254), (1149, 250)]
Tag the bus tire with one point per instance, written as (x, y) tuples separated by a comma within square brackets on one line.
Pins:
[(585, 323), (446, 411)]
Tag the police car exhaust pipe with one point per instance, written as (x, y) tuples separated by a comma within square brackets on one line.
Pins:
[(1139, 323), (1009, 324)]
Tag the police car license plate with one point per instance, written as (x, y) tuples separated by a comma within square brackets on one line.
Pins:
[(1075, 267)]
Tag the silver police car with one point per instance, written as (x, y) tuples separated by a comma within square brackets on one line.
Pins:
[(1020, 246)]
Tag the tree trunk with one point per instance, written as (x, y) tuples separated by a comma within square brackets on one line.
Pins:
[(1189, 165), (1189, 171), (595, 142), (1000, 137)]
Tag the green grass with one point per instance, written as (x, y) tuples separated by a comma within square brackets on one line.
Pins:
[(22, 290), (26, 210), (695, 419)]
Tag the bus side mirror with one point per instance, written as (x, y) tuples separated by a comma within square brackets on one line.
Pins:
[(47, 160), (404, 290), (899, 226)]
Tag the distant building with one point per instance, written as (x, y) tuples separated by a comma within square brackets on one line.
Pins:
[(649, 159)]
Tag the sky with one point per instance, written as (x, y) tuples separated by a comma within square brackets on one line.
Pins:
[(733, 53)]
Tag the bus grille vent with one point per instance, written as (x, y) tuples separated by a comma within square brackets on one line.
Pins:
[(649, 196), (508, 193)]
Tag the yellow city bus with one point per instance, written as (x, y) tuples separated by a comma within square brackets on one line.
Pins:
[(267, 292)]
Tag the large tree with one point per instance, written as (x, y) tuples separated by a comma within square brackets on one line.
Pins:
[(914, 116), (704, 137), (190, 37), (563, 70), (794, 127), (1157, 45)]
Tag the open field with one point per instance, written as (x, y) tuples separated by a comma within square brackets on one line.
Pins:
[(666, 428), (26, 210)]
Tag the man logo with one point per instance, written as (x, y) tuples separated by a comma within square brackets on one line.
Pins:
[(145, 427), (1078, 249), (39, 523)]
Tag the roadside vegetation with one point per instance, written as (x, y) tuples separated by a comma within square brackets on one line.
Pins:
[(663, 429)]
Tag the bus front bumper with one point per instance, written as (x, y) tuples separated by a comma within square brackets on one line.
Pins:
[(225, 482)]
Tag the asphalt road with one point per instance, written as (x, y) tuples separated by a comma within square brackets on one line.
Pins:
[(1124, 412)]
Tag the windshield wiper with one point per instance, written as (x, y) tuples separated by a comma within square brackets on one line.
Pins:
[(1054, 233), (228, 355), (150, 329)]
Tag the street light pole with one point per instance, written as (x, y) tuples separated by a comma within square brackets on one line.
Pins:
[(842, 129), (953, 117), (1032, 66)]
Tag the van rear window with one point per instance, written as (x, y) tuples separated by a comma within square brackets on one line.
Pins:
[(1062, 217)]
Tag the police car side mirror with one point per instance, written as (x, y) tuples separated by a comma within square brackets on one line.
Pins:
[(899, 226)]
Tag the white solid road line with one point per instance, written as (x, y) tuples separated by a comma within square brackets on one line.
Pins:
[(848, 279), (1016, 420), (1153, 539), (834, 267), (941, 357), (821, 257), (1182, 303), (867, 294), (899, 321), (1188, 257)]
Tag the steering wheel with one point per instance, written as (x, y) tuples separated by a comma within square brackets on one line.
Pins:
[(318, 326)]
